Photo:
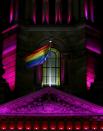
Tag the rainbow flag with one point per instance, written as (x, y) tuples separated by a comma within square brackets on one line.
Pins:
[(38, 57)]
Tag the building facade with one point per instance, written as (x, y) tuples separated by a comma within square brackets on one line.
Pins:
[(69, 63)]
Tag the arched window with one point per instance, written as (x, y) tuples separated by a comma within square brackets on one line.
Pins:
[(51, 69)]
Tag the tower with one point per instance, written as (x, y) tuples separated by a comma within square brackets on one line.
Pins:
[(75, 45)]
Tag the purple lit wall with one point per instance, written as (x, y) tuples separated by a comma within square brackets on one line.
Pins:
[(91, 10), (9, 60), (45, 11), (69, 11), (90, 75), (34, 12), (93, 46), (9, 29), (16, 9), (50, 102), (58, 17), (86, 9), (11, 11)]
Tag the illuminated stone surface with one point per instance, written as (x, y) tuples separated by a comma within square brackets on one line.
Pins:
[(50, 102)]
